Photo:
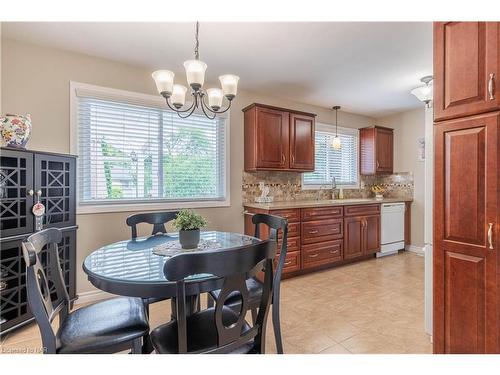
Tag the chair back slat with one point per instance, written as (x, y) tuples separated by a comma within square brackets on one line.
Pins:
[(157, 219), (275, 224), (40, 301), (233, 265)]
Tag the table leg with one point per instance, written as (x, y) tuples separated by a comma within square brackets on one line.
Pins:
[(192, 305)]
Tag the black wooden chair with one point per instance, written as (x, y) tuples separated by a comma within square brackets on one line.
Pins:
[(218, 329), (106, 327), (158, 220), (254, 285)]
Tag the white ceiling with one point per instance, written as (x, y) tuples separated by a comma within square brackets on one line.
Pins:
[(366, 67)]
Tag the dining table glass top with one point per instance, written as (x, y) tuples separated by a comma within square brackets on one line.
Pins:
[(134, 260)]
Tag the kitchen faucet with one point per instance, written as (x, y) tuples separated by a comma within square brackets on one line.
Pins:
[(334, 186)]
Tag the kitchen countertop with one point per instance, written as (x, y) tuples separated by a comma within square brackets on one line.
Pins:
[(321, 203)]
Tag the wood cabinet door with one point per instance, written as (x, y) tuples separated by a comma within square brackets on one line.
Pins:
[(371, 234), (301, 142), (466, 254), (466, 68), (272, 139), (384, 150), (353, 237)]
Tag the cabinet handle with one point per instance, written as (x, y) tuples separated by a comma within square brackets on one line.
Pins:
[(491, 86), (283, 158), (31, 192), (313, 255), (293, 158), (378, 165), (490, 235), (38, 193), (334, 251), (313, 231), (287, 263)]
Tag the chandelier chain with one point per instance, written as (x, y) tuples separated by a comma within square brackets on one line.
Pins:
[(197, 44)]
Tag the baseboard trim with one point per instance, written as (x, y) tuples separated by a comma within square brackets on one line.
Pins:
[(92, 296), (415, 249)]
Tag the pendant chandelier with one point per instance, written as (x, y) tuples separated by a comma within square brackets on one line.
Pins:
[(424, 93), (336, 144), (175, 94)]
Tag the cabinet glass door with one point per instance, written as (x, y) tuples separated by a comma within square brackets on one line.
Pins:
[(16, 180), (55, 180)]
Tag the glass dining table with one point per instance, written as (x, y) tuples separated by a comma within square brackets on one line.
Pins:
[(132, 268)]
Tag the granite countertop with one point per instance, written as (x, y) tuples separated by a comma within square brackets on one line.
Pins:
[(321, 203)]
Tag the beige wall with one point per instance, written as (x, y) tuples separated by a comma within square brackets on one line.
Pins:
[(408, 127), (36, 81)]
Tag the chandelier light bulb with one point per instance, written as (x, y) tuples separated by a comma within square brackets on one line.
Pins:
[(164, 80), (229, 83), (195, 73), (179, 96), (215, 98)]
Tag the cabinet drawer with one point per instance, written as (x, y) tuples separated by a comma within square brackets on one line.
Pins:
[(292, 262), (292, 244), (292, 215), (293, 230), (321, 230), (321, 213), (321, 253), (362, 209)]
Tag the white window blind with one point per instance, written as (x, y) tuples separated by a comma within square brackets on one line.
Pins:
[(341, 164), (136, 153)]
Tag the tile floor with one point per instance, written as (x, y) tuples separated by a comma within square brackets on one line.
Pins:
[(374, 306)]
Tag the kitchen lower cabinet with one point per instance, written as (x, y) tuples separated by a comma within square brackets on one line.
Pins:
[(353, 238), (319, 237)]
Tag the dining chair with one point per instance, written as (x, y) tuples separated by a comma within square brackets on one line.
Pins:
[(158, 220), (218, 329), (254, 285), (110, 326)]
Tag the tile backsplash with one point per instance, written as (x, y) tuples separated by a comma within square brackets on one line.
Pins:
[(287, 186)]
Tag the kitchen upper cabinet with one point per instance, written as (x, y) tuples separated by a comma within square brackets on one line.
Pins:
[(301, 142), (376, 150), (466, 68), (278, 139), (466, 222)]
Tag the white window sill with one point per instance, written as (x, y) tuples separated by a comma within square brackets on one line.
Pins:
[(154, 206)]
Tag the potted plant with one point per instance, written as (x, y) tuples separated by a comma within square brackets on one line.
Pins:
[(188, 223)]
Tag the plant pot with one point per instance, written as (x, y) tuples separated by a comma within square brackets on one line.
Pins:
[(189, 239)]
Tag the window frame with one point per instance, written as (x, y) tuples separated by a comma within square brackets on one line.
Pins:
[(329, 128), (136, 98)]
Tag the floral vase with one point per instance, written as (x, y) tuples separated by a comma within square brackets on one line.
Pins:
[(15, 130)]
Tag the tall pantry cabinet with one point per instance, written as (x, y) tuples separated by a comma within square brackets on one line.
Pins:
[(466, 195)]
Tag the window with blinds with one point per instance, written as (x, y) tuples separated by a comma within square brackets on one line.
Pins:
[(132, 153), (341, 164)]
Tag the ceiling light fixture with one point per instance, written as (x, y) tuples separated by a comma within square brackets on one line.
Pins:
[(424, 93), (175, 95), (336, 144)]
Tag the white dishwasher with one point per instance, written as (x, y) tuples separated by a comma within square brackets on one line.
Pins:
[(392, 228)]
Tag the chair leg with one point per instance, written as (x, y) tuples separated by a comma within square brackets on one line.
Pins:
[(137, 346), (146, 306), (276, 320), (210, 301), (254, 315)]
